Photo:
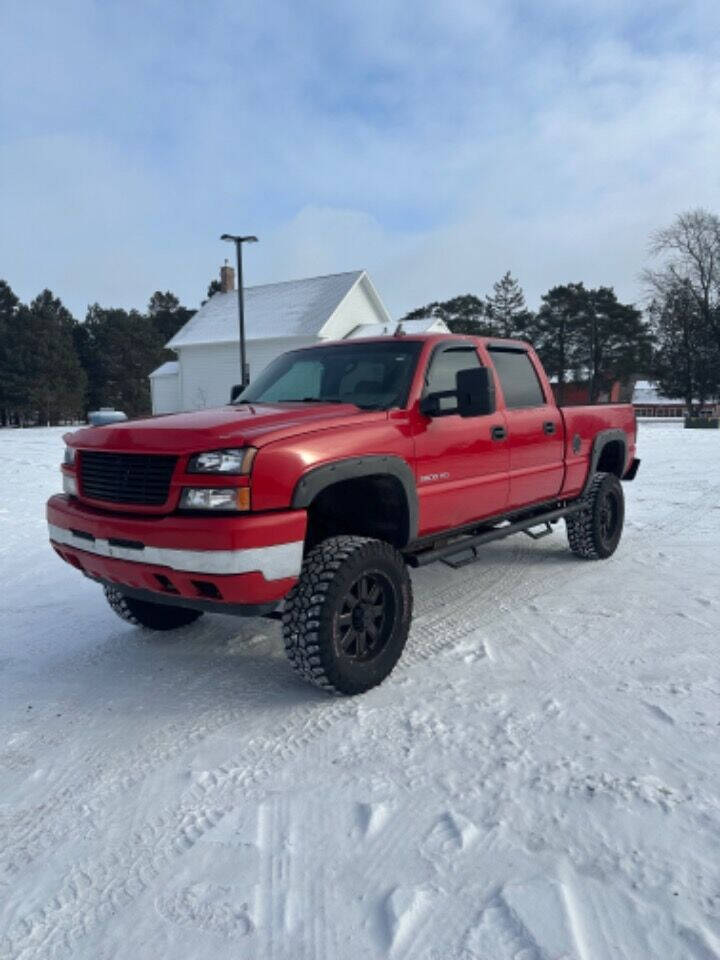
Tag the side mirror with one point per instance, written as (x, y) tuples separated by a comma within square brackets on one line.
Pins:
[(474, 396), (430, 405), (235, 392), (475, 392)]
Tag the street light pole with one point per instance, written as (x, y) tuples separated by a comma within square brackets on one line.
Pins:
[(239, 241)]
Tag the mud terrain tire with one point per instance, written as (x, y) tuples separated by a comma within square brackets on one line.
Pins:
[(594, 532), (154, 616), (347, 618)]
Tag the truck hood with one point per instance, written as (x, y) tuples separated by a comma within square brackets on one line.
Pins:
[(251, 425)]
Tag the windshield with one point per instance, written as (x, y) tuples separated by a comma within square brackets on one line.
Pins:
[(373, 376)]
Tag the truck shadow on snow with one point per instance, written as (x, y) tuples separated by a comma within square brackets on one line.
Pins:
[(220, 662)]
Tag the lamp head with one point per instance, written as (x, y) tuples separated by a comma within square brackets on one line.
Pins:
[(236, 239)]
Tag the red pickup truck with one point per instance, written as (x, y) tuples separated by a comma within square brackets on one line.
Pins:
[(342, 464)]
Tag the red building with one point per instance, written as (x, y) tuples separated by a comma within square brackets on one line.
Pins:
[(577, 393), (649, 402)]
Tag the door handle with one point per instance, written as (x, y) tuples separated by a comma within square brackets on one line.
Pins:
[(549, 427), (498, 433)]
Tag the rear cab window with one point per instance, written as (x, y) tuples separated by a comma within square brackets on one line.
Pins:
[(518, 377)]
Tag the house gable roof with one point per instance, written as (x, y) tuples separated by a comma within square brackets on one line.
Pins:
[(170, 368), (294, 308)]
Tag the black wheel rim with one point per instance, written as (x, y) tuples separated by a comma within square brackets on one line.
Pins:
[(609, 516), (366, 616)]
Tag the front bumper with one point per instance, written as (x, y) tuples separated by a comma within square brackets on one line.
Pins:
[(249, 561)]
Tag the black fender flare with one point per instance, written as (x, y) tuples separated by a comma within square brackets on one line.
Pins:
[(325, 475), (602, 439)]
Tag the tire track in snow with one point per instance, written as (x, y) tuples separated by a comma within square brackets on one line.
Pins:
[(164, 745), (678, 516), (83, 800), (123, 874), (29, 836), (94, 890), (152, 848), (449, 904)]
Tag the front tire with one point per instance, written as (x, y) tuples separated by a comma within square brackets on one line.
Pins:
[(347, 618), (594, 532), (143, 613)]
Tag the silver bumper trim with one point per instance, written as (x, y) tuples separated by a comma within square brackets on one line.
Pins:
[(275, 562)]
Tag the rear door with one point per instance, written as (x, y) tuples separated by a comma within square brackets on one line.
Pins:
[(534, 426), (461, 462)]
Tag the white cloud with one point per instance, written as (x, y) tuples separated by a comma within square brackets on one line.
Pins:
[(437, 145)]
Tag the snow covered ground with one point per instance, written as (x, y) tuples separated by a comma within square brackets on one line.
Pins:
[(538, 780)]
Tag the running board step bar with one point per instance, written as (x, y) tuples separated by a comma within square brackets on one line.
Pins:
[(539, 534), (464, 549)]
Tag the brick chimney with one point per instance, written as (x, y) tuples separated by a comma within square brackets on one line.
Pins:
[(227, 278)]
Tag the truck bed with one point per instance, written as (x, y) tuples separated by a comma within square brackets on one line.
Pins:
[(582, 425)]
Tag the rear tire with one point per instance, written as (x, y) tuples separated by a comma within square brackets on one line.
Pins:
[(347, 618), (153, 616), (594, 532)]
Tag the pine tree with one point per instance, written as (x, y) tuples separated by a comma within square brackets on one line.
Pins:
[(504, 314), (463, 314), (556, 332), (47, 383), (616, 340), (590, 335), (167, 314), (8, 308), (120, 349), (213, 287), (506, 308)]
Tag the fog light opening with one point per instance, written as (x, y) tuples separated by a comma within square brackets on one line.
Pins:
[(207, 589), (167, 586)]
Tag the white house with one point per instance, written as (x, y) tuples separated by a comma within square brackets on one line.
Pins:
[(164, 388), (278, 317)]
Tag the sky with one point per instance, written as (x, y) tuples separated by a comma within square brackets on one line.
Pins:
[(435, 144)]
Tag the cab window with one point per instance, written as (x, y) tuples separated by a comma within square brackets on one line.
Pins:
[(518, 379), (302, 379), (443, 371), (373, 376)]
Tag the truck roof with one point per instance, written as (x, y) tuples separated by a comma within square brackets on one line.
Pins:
[(428, 338)]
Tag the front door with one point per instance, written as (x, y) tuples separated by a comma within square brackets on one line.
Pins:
[(461, 463)]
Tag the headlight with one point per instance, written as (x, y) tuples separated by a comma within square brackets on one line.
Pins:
[(215, 498), (235, 461), (69, 458), (69, 485)]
